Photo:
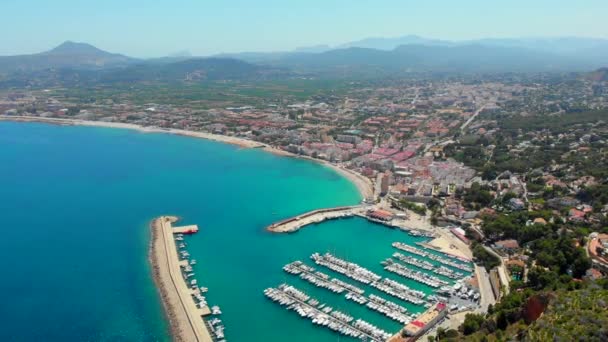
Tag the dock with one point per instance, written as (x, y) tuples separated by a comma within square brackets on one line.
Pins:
[(297, 222), (177, 296), (191, 229)]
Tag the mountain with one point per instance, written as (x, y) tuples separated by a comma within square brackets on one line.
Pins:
[(436, 58), (557, 45), (381, 56), (78, 63), (313, 49), (599, 75), (70, 55), (380, 43)]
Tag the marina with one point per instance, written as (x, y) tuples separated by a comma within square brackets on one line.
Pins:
[(389, 309), (449, 260), (451, 256), (400, 291), (418, 276), (373, 302), (296, 300), (346, 268), (425, 268), (423, 264), (320, 279), (458, 297)]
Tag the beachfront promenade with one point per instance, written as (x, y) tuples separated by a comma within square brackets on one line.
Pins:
[(185, 317), (294, 223)]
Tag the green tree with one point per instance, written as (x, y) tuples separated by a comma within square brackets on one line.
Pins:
[(472, 323)]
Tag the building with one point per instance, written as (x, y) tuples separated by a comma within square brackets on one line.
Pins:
[(379, 214), (507, 246), (426, 321), (348, 138), (384, 183), (517, 204)]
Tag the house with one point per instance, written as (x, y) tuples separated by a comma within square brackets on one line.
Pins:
[(507, 246), (593, 274), (575, 215), (469, 215), (517, 204)]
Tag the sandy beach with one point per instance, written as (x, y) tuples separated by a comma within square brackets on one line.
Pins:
[(450, 246), (181, 312), (445, 241), (363, 184)]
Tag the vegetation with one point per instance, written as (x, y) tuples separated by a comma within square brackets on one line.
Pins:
[(573, 311), (418, 209), (477, 196), (205, 94), (482, 256), (577, 315), (525, 143)]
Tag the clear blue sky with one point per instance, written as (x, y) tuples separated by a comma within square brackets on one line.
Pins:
[(159, 27)]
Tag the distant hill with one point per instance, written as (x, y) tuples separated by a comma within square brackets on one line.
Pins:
[(380, 43), (557, 45), (73, 63), (380, 56), (67, 55), (165, 70), (192, 70), (438, 58), (600, 75), (313, 49)]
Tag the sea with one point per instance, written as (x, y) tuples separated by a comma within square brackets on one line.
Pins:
[(76, 203)]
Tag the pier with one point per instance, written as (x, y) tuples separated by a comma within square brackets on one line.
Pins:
[(186, 317), (295, 223), (191, 229)]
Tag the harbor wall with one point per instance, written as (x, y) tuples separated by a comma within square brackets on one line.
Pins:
[(185, 319)]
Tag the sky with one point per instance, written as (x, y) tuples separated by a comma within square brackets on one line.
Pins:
[(155, 28)]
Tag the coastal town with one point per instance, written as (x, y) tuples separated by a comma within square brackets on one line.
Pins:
[(463, 165)]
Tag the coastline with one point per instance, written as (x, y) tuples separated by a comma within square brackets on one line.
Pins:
[(364, 185), (176, 309)]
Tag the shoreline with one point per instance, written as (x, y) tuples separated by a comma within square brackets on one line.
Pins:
[(364, 185), (176, 308)]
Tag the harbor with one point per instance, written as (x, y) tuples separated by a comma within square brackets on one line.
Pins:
[(412, 281), (442, 286)]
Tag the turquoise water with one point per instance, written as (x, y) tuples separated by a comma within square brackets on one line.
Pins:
[(76, 203)]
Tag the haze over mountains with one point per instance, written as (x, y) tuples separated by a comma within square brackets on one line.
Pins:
[(67, 55), (368, 57)]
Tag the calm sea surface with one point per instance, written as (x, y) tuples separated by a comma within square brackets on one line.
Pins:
[(76, 203)]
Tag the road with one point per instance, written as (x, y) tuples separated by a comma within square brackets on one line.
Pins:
[(468, 122), (502, 269), (485, 289)]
